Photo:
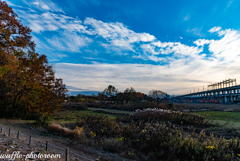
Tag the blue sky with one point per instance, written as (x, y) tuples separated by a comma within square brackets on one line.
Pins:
[(174, 46)]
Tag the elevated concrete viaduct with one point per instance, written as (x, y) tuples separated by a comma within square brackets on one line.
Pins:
[(227, 94)]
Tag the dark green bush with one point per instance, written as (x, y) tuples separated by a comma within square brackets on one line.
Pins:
[(42, 120), (168, 115), (76, 107)]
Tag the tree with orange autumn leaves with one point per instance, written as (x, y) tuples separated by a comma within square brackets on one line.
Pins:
[(27, 81)]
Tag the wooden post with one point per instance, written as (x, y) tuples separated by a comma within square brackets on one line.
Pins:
[(30, 140), (9, 132), (67, 153), (18, 135), (46, 146)]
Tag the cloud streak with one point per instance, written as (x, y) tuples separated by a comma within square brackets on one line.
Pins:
[(43, 5)]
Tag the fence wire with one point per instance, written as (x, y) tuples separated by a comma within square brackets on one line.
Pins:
[(26, 139)]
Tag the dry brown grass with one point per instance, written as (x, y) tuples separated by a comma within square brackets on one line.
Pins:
[(56, 128), (67, 131)]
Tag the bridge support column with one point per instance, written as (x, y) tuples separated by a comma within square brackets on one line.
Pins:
[(225, 98), (231, 98)]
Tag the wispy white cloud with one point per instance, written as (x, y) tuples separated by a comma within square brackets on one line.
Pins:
[(201, 42), (48, 21), (229, 4), (187, 17), (196, 31), (69, 41), (44, 5), (215, 29), (11, 4), (163, 49), (177, 48), (118, 34), (150, 48)]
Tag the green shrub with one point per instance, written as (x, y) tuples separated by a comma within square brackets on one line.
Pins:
[(42, 120), (168, 115), (99, 123), (76, 107)]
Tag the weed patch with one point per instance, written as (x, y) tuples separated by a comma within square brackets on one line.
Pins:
[(154, 134)]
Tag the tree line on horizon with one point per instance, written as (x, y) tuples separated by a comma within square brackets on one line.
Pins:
[(111, 93), (27, 82)]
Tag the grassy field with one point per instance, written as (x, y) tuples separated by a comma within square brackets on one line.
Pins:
[(111, 110), (220, 116), (224, 119), (72, 115), (223, 116), (210, 106)]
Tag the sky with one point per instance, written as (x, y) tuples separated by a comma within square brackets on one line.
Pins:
[(173, 46)]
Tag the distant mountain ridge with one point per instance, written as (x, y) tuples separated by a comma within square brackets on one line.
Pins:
[(75, 93)]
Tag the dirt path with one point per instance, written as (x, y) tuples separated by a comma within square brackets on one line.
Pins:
[(56, 145)]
